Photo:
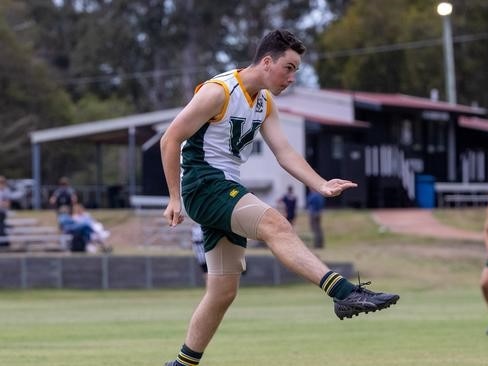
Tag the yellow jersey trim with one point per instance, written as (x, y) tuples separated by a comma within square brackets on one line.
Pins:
[(218, 117), (269, 105), (244, 91)]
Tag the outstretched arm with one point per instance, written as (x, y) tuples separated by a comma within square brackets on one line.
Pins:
[(486, 231), (294, 163), (206, 103)]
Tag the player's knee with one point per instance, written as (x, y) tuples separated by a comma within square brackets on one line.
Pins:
[(225, 298), (222, 289), (273, 225)]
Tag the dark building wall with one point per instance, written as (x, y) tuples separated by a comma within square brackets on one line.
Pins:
[(338, 153), (153, 180)]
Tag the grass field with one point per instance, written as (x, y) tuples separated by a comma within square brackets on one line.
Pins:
[(440, 319), (266, 326)]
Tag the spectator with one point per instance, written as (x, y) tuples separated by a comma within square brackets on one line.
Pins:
[(64, 195), (98, 236), (5, 195), (290, 202), (81, 231), (315, 204)]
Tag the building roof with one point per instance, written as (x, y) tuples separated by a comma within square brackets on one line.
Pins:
[(328, 107), (474, 123), (376, 100), (320, 106), (113, 130)]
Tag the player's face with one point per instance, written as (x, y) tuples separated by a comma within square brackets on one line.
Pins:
[(282, 71)]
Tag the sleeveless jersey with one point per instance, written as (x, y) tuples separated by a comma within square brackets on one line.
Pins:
[(222, 144)]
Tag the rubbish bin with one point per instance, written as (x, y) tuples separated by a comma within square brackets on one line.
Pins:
[(424, 190)]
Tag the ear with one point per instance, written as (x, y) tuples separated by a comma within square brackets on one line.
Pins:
[(267, 60)]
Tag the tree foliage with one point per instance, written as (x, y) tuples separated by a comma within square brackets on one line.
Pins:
[(29, 100), (71, 61), (415, 65)]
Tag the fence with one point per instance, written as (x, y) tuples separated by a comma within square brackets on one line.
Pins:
[(133, 272)]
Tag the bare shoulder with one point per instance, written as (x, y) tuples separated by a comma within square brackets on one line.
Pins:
[(212, 93)]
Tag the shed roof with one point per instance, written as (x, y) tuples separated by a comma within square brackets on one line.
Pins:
[(408, 101), (475, 123), (321, 106), (113, 130)]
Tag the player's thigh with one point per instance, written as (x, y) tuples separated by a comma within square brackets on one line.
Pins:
[(247, 215), (226, 258)]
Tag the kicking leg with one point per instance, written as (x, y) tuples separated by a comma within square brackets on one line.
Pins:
[(254, 219)]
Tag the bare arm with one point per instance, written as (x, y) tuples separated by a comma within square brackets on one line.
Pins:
[(486, 231), (294, 163), (205, 104)]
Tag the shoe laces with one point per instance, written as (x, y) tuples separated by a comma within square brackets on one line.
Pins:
[(360, 285)]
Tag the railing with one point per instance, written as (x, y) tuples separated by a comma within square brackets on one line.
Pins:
[(461, 193), (390, 161)]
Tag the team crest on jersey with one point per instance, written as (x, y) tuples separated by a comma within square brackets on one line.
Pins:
[(234, 192), (259, 105)]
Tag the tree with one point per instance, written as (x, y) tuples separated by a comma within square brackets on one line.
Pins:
[(154, 52), (29, 100), (412, 61)]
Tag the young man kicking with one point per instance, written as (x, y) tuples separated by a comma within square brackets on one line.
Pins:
[(219, 125)]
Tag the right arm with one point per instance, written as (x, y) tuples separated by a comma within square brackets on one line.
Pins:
[(205, 104), (486, 232)]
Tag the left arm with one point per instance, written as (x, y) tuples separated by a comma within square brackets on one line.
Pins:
[(486, 231), (290, 160)]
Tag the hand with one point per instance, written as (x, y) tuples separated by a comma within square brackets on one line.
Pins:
[(335, 187), (173, 212)]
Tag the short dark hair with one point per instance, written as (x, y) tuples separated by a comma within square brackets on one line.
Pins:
[(276, 43)]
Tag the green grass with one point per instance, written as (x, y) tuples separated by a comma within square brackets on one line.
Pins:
[(471, 218), (440, 320), (266, 326)]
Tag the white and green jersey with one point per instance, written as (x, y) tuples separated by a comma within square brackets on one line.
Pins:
[(222, 144)]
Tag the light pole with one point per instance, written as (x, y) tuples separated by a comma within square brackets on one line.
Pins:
[(444, 9)]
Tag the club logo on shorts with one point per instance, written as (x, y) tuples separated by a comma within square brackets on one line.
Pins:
[(234, 192)]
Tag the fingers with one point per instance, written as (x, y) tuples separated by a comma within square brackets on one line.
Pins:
[(336, 186), (177, 219), (174, 217)]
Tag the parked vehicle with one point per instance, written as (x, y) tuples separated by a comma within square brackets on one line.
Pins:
[(21, 198)]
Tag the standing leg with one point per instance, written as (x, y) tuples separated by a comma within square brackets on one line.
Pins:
[(220, 293), (484, 285), (225, 264)]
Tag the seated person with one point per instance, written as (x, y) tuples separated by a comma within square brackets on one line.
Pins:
[(98, 236), (80, 231)]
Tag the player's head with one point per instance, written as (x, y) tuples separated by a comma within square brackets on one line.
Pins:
[(279, 55), (276, 43)]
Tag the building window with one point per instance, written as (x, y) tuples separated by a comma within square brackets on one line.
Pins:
[(441, 137), (406, 134), (417, 143), (257, 147), (337, 147)]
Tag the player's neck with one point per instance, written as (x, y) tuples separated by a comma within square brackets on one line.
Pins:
[(251, 80)]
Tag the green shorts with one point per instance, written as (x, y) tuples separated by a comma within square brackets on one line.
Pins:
[(210, 203)]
